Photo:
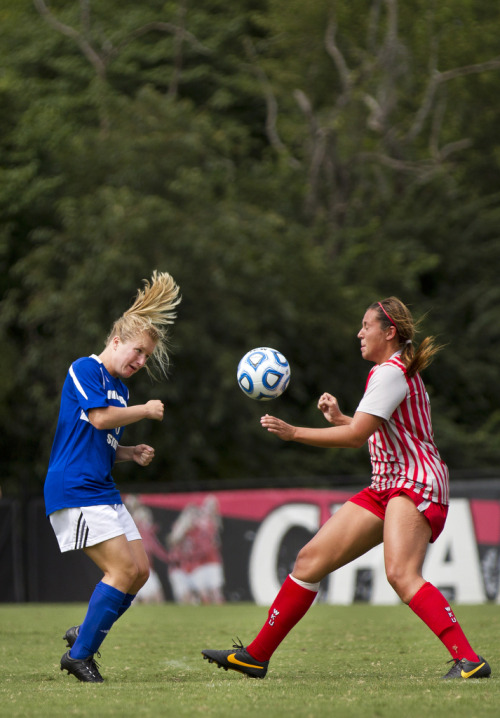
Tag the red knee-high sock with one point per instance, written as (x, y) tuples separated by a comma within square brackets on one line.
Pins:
[(431, 606), (291, 603)]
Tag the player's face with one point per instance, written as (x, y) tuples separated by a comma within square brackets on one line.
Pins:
[(375, 341), (132, 355)]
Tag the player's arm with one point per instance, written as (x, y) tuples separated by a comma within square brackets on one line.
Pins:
[(142, 454), (348, 436), (111, 417)]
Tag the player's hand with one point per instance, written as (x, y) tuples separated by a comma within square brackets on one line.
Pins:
[(328, 405), (277, 426), (155, 409), (143, 454)]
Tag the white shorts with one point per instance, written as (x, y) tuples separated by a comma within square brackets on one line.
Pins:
[(89, 525), (208, 577), (181, 584)]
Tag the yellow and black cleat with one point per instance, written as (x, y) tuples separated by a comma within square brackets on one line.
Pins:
[(237, 659), (469, 669)]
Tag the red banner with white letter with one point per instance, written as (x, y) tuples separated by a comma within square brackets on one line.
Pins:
[(240, 545)]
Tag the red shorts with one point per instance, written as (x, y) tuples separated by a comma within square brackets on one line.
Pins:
[(376, 502)]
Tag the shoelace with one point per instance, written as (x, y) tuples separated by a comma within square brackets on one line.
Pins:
[(93, 667), (239, 646)]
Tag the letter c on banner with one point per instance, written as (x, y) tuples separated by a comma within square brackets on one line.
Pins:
[(263, 578)]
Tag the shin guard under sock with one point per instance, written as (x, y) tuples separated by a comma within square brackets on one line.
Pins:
[(102, 612), (430, 605), (290, 605)]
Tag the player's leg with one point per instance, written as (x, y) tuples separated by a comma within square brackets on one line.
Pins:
[(123, 570), (406, 538), (178, 584), (111, 539), (407, 533), (142, 562), (125, 566), (103, 523), (143, 567), (215, 582), (349, 533), (124, 563)]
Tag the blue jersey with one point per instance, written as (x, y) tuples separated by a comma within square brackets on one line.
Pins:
[(82, 456)]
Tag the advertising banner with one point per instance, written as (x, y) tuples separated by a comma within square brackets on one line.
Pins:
[(240, 545)]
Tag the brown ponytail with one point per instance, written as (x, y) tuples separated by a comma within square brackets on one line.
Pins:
[(392, 311)]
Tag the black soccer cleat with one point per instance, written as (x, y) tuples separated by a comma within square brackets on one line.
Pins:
[(71, 635), (85, 669), (462, 668), (237, 660)]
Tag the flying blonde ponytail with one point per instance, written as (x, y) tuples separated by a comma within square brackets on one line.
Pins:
[(153, 309)]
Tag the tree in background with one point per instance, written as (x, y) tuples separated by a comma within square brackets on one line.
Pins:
[(288, 163)]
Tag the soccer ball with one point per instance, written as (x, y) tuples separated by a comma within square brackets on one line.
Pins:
[(263, 373)]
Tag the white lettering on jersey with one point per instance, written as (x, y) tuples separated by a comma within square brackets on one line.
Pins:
[(112, 441), (114, 395)]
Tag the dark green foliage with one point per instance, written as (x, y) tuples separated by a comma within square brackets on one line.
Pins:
[(288, 166)]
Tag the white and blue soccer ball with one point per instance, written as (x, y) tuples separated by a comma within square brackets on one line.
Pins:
[(263, 373)]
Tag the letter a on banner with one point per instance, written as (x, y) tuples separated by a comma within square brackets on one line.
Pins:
[(453, 561)]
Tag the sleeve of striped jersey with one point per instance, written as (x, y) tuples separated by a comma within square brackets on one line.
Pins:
[(385, 391), (88, 383)]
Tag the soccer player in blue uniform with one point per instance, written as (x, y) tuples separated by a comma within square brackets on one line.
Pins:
[(81, 499)]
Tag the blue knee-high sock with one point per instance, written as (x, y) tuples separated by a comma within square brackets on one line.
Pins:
[(103, 610), (127, 602)]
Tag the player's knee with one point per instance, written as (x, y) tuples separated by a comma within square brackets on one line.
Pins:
[(400, 582), (143, 574), (131, 574), (309, 565)]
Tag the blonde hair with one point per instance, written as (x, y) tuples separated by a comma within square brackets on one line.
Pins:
[(392, 311), (152, 310)]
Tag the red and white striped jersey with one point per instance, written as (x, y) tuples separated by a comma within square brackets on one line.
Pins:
[(402, 450)]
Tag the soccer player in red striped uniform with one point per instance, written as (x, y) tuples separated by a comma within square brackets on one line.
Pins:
[(405, 506)]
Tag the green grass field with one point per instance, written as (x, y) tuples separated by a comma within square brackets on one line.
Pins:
[(349, 661)]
